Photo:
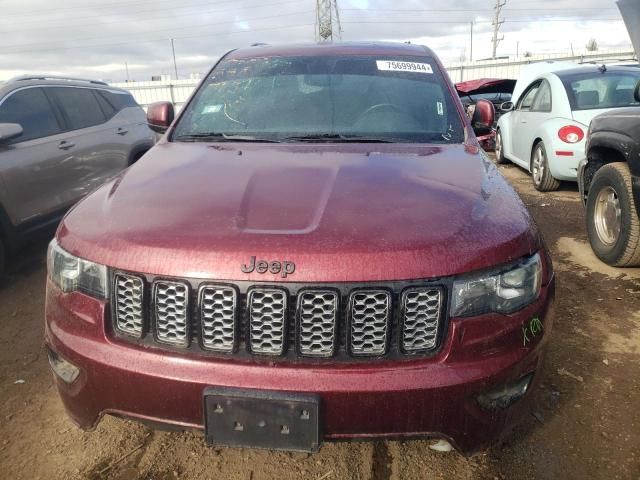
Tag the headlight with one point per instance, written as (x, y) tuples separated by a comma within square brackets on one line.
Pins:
[(76, 274), (503, 292)]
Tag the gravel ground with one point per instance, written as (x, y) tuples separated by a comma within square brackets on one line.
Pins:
[(584, 423)]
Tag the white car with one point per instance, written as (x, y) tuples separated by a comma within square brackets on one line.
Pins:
[(545, 127)]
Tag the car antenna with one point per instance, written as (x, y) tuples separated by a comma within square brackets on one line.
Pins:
[(602, 68)]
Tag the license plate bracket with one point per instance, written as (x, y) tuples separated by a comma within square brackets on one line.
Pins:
[(237, 417)]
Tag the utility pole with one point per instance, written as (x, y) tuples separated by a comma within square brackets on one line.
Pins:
[(471, 42), (327, 20), (126, 67), (496, 25), (175, 65)]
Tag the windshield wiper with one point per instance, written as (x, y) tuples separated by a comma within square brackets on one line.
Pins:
[(222, 137), (335, 137)]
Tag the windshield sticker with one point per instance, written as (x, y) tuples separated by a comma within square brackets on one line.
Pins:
[(211, 109), (388, 65), (440, 108)]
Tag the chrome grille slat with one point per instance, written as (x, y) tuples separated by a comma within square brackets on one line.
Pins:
[(217, 318), (421, 309), (128, 304), (370, 312), (171, 304), (317, 314), (267, 308)]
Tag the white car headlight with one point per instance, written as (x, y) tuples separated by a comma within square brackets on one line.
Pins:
[(503, 292), (73, 274)]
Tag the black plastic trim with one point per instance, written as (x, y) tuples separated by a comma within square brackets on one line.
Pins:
[(263, 404)]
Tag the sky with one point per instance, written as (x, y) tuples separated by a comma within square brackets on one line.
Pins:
[(114, 40)]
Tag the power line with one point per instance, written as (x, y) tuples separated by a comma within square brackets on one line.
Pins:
[(94, 6), (464, 22), (154, 40), (467, 10), (280, 15), (120, 21)]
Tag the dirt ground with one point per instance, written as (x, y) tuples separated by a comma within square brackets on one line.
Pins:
[(585, 422)]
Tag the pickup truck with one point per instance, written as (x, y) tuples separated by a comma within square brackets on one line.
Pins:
[(609, 183)]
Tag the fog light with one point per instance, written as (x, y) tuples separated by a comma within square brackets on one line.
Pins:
[(505, 395), (64, 369)]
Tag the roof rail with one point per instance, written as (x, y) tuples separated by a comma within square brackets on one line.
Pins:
[(259, 44), (23, 78)]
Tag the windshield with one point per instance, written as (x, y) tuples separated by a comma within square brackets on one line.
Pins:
[(403, 99), (594, 90)]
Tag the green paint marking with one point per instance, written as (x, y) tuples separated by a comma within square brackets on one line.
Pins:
[(531, 329)]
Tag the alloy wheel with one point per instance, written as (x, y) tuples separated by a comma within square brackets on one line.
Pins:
[(538, 166), (608, 216)]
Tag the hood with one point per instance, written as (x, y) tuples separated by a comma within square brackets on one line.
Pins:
[(485, 85), (623, 121), (339, 212), (630, 10), (624, 112)]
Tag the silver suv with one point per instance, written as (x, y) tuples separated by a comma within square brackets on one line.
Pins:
[(60, 138)]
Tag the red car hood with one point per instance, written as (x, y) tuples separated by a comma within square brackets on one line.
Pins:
[(485, 85), (340, 212)]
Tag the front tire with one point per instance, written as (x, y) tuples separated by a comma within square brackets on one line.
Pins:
[(540, 173), (613, 226), (500, 159)]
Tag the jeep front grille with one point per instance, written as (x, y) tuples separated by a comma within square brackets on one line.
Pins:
[(421, 314), (217, 318), (370, 312), (321, 321), (171, 300), (317, 315), (129, 293), (267, 321)]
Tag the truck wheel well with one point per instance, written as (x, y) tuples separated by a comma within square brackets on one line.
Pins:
[(598, 157)]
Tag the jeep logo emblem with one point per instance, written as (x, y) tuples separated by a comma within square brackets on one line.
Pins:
[(284, 268)]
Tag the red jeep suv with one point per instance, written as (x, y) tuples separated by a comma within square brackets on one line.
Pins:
[(316, 249)]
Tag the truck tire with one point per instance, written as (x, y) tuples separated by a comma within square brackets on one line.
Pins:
[(540, 173), (500, 159), (613, 225)]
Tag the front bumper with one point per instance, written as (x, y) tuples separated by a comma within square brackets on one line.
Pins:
[(582, 165), (433, 396)]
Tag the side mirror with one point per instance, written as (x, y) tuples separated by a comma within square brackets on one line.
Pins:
[(9, 131), (483, 117), (506, 107), (160, 116), (636, 93)]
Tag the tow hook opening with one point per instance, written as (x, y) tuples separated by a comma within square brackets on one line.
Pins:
[(505, 395), (64, 369)]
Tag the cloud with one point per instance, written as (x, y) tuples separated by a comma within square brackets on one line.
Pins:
[(93, 38)]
